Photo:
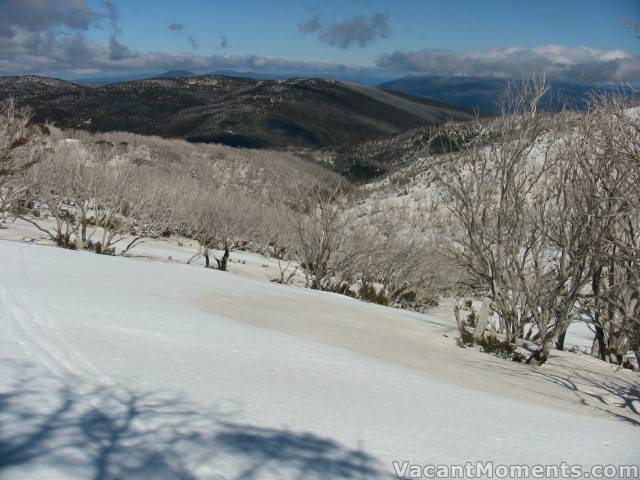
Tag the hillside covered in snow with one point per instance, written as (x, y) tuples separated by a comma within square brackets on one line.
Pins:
[(140, 368)]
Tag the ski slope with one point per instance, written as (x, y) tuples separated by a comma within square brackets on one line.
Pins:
[(119, 368)]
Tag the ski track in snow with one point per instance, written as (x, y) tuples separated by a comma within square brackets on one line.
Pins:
[(117, 368), (37, 332)]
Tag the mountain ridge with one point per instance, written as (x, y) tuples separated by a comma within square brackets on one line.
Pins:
[(240, 112)]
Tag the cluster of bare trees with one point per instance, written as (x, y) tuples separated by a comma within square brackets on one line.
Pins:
[(98, 194), (609, 143), (545, 222), (97, 205)]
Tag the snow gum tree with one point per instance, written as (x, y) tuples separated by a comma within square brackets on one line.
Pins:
[(23, 144), (607, 144), (486, 189)]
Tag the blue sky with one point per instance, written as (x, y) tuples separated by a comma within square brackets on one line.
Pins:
[(269, 28), (462, 37)]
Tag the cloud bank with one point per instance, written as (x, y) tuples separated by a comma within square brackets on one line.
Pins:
[(558, 62), (46, 15)]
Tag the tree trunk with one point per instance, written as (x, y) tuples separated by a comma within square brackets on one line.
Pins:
[(615, 358), (529, 332), (599, 348), (83, 233), (459, 322), (206, 258), (481, 323), (494, 331), (617, 346), (541, 355), (560, 341), (519, 333), (222, 262)]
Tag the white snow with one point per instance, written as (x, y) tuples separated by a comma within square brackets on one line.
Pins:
[(633, 113), (126, 368)]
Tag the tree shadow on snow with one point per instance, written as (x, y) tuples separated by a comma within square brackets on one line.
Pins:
[(623, 395), (108, 433), (615, 396)]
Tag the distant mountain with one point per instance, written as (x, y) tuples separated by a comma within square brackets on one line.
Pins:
[(182, 73), (129, 78), (483, 94), (175, 73), (252, 74), (109, 80), (234, 111), (364, 77)]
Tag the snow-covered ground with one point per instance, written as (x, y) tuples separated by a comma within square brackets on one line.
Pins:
[(116, 367)]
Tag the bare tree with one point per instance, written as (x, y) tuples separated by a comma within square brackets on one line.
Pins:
[(609, 145), (202, 222), (56, 185), (23, 144), (565, 226), (318, 233), (221, 219), (486, 189), (156, 203)]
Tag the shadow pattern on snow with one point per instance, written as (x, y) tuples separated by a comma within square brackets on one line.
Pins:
[(108, 433), (614, 396)]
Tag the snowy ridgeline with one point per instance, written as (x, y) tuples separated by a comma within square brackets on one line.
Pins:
[(123, 368)]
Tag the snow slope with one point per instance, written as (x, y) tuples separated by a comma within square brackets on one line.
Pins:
[(119, 368)]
